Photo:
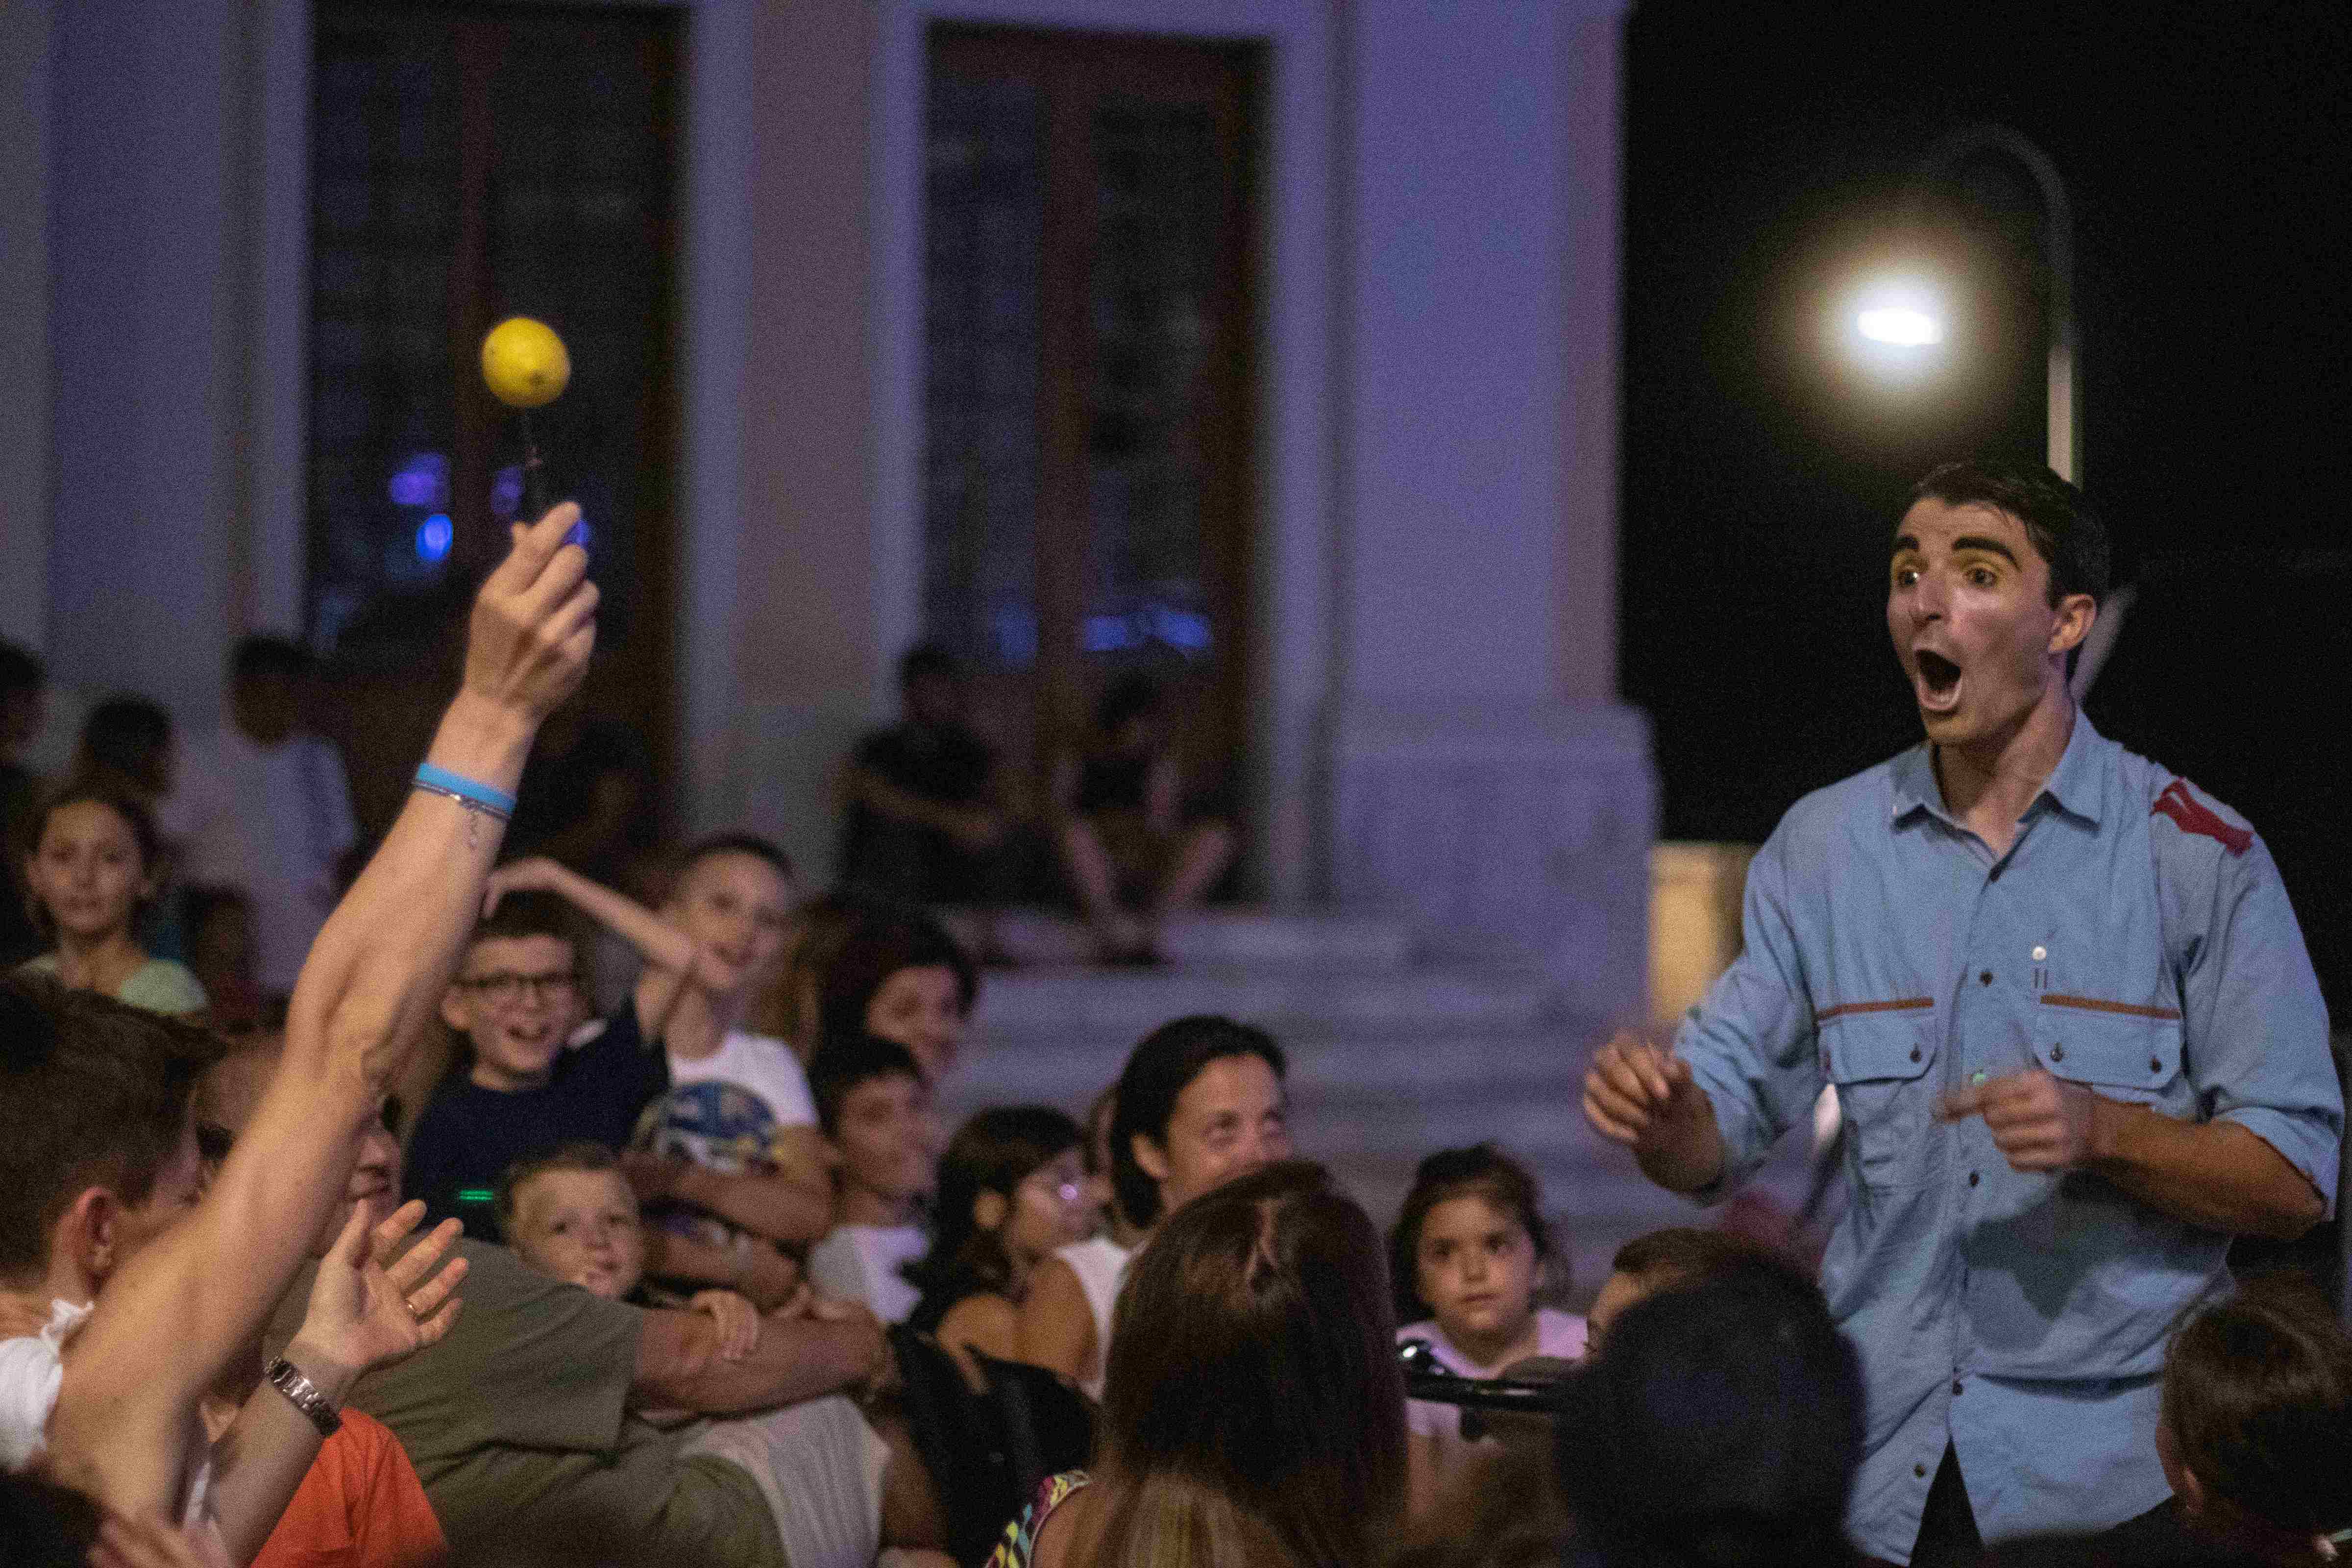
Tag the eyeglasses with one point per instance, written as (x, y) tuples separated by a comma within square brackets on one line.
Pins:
[(1064, 1192), (504, 988)]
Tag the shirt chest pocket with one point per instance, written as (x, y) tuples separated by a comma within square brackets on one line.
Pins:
[(1879, 1061), (2123, 1050)]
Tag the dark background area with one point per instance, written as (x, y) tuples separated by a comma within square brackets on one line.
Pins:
[(2208, 153)]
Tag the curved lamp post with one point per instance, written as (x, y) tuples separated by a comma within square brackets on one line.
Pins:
[(1910, 319)]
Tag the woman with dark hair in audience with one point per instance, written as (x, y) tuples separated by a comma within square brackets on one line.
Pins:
[(1720, 1429), (1254, 1413), (93, 870), (899, 975), (1200, 1102), (1011, 1190)]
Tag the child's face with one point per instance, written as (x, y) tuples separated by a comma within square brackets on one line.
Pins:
[(886, 1137), (517, 998), (1476, 1268), (921, 1009), (88, 871), (1050, 1209), (738, 908), (580, 1227)]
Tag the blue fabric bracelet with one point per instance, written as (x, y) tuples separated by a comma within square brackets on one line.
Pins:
[(465, 791)]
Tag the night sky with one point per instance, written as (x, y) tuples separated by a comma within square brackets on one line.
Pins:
[(2208, 153)]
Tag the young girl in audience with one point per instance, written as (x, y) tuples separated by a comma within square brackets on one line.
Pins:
[(1467, 1259), (1011, 1189), (873, 1103), (1255, 1409), (92, 869), (570, 1215), (1200, 1103), (897, 973)]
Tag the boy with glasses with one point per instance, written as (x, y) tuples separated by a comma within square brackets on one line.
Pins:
[(516, 1001)]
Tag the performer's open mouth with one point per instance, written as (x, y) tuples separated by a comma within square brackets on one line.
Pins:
[(1938, 682)]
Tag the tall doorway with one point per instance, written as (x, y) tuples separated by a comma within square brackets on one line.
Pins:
[(1089, 482)]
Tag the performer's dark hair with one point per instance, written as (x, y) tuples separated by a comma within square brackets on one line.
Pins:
[(2258, 1398), (2068, 535)]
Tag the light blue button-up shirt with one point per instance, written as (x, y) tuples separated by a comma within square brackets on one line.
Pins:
[(2136, 937)]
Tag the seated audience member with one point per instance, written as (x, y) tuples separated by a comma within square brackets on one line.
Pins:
[(92, 872), (189, 1276), (925, 818), (526, 1424), (1200, 1103), (101, 1165), (514, 1003), (359, 1504), (897, 973), (1012, 1190), (1137, 850), (126, 750), (1255, 1412), (1468, 1258), (571, 1214), (873, 1103), (218, 923), (261, 803), (2255, 1437), (1721, 1426), (23, 685), (1673, 1257)]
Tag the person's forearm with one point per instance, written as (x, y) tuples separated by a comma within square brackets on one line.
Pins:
[(776, 1206), (764, 1275), (1692, 1163), (2216, 1174), (379, 966), (797, 1358), (658, 942), (261, 1459)]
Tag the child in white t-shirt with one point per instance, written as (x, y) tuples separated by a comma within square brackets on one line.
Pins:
[(873, 1104), (1468, 1258)]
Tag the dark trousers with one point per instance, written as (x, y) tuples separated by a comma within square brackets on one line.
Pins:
[(1948, 1529)]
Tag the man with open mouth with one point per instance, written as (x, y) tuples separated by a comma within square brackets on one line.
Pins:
[(2076, 1040)]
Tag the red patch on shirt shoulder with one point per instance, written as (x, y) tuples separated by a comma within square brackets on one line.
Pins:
[(2193, 816)]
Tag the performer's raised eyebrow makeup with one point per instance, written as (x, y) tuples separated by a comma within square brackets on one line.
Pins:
[(1989, 546)]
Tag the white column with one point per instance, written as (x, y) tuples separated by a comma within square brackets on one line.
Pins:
[(1486, 777)]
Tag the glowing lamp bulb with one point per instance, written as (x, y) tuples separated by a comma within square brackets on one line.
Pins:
[(1900, 325)]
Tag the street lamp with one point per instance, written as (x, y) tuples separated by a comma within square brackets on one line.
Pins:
[(1903, 316)]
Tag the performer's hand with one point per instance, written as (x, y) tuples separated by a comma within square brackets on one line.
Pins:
[(2037, 1121), (1642, 1096)]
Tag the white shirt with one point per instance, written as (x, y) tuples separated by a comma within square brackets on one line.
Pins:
[(32, 1369), (761, 1064), (1100, 1265), (275, 822), (862, 1263)]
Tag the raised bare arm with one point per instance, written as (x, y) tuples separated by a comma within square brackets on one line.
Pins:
[(171, 1319)]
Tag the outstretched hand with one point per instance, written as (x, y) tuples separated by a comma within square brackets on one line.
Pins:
[(534, 622), (1644, 1097), (371, 1304)]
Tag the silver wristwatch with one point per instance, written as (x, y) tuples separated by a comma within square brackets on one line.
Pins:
[(287, 1379)]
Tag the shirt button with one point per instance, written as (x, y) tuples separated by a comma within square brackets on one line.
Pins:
[(1985, 977), (1956, 1385), (2058, 1052), (2040, 954), (1973, 1178), (2155, 1064), (1920, 1471), (1915, 1056)]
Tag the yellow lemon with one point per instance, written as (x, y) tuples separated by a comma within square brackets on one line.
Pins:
[(524, 363)]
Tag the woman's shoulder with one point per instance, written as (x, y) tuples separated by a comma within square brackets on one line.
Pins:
[(1019, 1547), (161, 985), (985, 1319)]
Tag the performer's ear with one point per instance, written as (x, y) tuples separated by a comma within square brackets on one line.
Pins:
[(2177, 1473)]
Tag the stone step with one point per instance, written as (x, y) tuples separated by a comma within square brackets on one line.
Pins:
[(1052, 939), (1027, 1005)]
